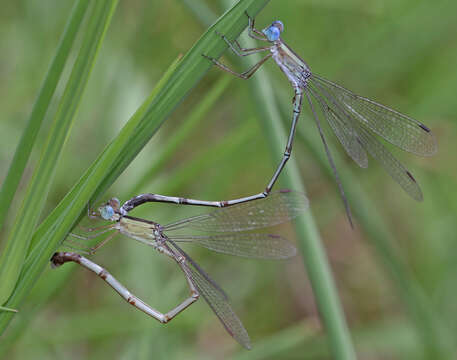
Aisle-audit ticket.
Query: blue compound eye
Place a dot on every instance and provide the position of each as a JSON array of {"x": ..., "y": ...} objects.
[
  {"x": 106, "y": 212},
  {"x": 272, "y": 33},
  {"x": 279, "y": 25}
]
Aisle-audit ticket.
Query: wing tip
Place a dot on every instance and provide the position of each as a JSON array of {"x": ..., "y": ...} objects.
[
  {"x": 417, "y": 195},
  {"x": 429, "y": 145},
  {"x": 241, "y": 336},
  {"x": 246, "y": 344}
]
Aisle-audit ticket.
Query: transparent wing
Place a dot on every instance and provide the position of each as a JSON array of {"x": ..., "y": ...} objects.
[
  {"x": 398, "y": 172},
  {"x": 216, "y": 299},
  {"x": 377, "y": 150},
  {"x": 250, "y": 245},
  {"x": 346, "y": 134},
  {"x": 277, "y": 208},
  {"x": 397, "y": 128}
]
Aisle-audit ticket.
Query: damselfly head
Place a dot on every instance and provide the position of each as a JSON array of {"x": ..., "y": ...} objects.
[
  {"x": 110, "y": 211},
  {"x": 273, "y": 32}
]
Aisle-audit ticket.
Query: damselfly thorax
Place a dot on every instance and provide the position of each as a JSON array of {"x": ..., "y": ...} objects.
[
  {"x": 142, "y": 230},
  {"x": 296, "y": 70}
]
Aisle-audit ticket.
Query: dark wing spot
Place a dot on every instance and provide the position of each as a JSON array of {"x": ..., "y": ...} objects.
[
  {"x": 410, "y": 176},
  {"x": 425, "y": 128}
]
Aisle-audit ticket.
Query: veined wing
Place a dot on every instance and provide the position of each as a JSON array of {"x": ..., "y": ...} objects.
[
  {"x": 345, "y": 133},
  {"x": 398, "y": 172},
  {"x": 397, "y": 128},
  {"x": 377, "y": 150},
  {"x": 216, "y": 299},
  {"x": 250, "y": 245},
  {"x": 279, "y": 207}
]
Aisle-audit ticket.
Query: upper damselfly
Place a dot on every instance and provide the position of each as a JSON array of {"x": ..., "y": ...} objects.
[{"x": 354, "y": 119}]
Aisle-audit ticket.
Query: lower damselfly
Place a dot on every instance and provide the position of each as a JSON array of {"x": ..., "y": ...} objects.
[
  {"x": 228, "y": 230},
  {"x": 354, "y": 119}
]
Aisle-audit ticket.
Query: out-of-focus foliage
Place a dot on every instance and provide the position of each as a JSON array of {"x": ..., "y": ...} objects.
[{"x": 401, "y": 53}]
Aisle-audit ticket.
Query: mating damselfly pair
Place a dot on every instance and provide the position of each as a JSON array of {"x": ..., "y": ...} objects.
[
  {"x": 229, "y": 230},
  {"x": 353, "y": 119}
]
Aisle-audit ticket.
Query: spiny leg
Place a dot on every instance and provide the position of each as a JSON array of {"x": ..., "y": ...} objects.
[
  {"x": 95, "y": 228},
  {"x": 244, "y": 75},
  {"x": 253, "y": 32},
  {"x": 104, "y": 242},
  {"x": 247, "y": 51},
  {"x": 92, "y": 236},
  {"x": 242, "y": 51},
  {"x": 90, "y": 214},
  {"x": 75, "y": 245}
]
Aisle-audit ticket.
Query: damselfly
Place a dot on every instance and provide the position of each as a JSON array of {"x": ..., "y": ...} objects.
[
  {"x": 227, "y": 230},
  {"x": 353, "y": 118}
]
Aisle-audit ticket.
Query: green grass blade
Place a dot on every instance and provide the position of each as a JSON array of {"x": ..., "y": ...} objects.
[
  {"x": 27, "y": 218},
  {"x": 40, "y": 109},
  {"x": 42, "y": 294},
  {"x": 310, "y": 243},
  {"x": 39, "y": 240},
  {"x": 222, "y": 151},
  {"x": 115, "y": 158},
  {"x": 279, "y": 344},
  {"x": 166, "y": 153},
  {"x": 390, "y": 338}
]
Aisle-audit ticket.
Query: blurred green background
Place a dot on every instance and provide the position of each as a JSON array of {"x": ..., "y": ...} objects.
[{"x": 400, "y": 53}]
